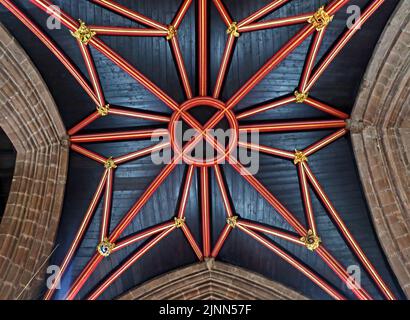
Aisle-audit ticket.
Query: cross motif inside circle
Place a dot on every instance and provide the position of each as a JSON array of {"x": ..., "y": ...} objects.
[{"x": 203, "y": 131}]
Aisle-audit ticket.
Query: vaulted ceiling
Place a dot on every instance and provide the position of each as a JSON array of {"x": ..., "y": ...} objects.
[{"x": 334, "y": 166}]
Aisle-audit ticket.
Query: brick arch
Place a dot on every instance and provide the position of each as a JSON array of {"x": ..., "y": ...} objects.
[
  {"x": 380, "y": 131},
  {"x": 211, "y": 280},
  {"x": 29, "y": 117}
]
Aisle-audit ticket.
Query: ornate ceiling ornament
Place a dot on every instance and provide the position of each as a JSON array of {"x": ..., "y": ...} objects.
[
  {"x": 110, "y": 164},
  {"x": 232, "y": 221},
  {"x": 233, "y": 30},
  {"x": 299, "y": 157},
  {"x": 301, "y": 96},
  {"x": 105, "y": 247},
  {"x": 83, "y": 33},
  {"x": 103, "y": 110},
  {"x": 320, "y": 19},
  {"x": 311, "y": 240},
  {"x": 172, "y": 32},
  {"x": 179, "y": 222}
]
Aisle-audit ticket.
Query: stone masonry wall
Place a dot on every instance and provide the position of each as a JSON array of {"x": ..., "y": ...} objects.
[
  {"x": 380, "y": 131},
  {"x": 29, "y": 116}
]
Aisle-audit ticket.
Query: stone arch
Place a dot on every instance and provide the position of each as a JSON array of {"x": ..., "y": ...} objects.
[
  {"x": 29, "y": 117},
  {"x": 380, "y": 131},
  {"x": 211, "y": 280}
]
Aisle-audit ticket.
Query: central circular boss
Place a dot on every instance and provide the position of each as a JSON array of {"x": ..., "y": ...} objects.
[{"x": 178, "y": 136}]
